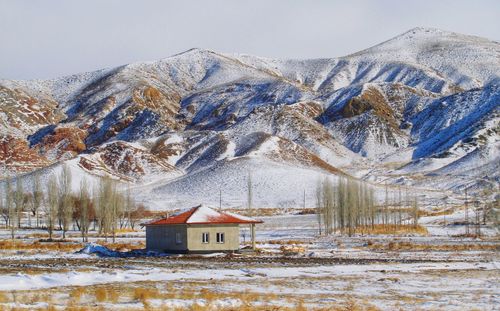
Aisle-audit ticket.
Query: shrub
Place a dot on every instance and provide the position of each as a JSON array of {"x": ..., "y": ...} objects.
[
  {"x": 101, "y": 294},
  {"x": 76, "y": 294}
]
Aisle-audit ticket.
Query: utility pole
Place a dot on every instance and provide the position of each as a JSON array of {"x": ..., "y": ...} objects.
[
  {"x": 466, "y": 214},
  {"x": 220, "y": 199},
  {"x": 304, "y": 205},
  {"x": 478, "y": 219},
  {"x": 249, "y": 193},
  {"x": 444, "y": 211}
]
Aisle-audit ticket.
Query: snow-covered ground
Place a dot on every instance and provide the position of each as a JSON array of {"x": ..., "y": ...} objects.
[{"x": 441, "y": 270}]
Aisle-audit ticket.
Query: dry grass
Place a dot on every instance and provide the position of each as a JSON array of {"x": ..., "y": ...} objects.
[
  {"x": 71, "y": 307},
  {"x": 289, "y": 250},
  {"x": 145, "y": 293},
  {"x": 76, "y": 294},
  {"x": 126, "y": 230},
  {"x": 287, "y": 242},
  {"x": 196, "y": 291},
  {"x": 409, "y": 246},
  {"x": 69, "y": 246},
  {"x": 424, "y": 213},
  {"x": 38, "y": 235},
  {"x": 122, "y": 246},
  {"x": 101, "y": 294},
  {"x": 392, "y": 229},
  {"x": 48, "y": 246},
  {"x": 113, "y": 295},
  {"x": 263, "y": 211}
]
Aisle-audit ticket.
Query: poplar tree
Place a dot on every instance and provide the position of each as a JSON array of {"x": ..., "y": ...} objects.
[
  {"x": 319, "y": 205},
  {"x": 9, "y": 202},
  {"x": 19, "y": 201},
  {"x": 37, "y": 198},
  {"x": 85, "y": 203},
  {"x": 51, "y": 209},
  {"x": 415, "y": 212},
  {"x": 65, "y": 204},
  {"x": 4, "y": 211}
]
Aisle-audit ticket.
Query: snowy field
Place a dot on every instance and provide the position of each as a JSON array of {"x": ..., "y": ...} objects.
[{"x": 293, "y": 270}]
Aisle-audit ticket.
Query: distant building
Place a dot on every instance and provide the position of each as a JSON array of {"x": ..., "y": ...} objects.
[{"x": 198, "y": 230}]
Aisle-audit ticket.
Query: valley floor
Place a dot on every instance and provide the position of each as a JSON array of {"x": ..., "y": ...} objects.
[{"x": 294, "y": 269}]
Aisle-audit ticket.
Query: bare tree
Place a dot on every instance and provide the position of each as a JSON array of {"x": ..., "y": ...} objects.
[
  {"x": 137, "y": 214},
  {"x": 9, "y": 198},
  {"x": 129, "y": 206},
  {"x": 85, "y": 206},
  {"x": 344, "y": 207},
  {"x": 477, "y": 224},
  {"x": 19, "y": 201},
  {"x": 400, "y": 208},
  {"x": 319, "y": 205},
  {"x": 328, "y": 199},
  {"x": 117, "y": 208},
  {"x": 415, "y": 212},
  {"x": 37, "y": 198},
  {"x": 65, "y": 202},
  {"x": 106, "y": 206},
  {"x": 51, "y": 209},
  {"x": 386, "y": 206},
  {"x": 249, "y": 193},
  {"x": 4, "y": 211},
  {"x": 28, "y": 206}
]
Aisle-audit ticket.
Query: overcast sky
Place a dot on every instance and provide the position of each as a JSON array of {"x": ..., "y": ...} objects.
[{"x": 44, "y": 39}]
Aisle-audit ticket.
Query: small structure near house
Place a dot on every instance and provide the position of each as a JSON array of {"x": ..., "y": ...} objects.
[{"x": 198, "y": 230}]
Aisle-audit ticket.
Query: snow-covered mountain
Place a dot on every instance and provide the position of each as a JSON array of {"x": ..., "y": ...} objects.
[{"x": 420, "y": 109}]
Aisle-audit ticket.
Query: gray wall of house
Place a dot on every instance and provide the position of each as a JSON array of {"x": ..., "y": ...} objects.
[
  {"x": 164, "y": 237},
  {"x": 231, "y": 237}
]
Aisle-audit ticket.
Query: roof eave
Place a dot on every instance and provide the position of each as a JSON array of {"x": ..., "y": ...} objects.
[{"x": 206, "y": 223}]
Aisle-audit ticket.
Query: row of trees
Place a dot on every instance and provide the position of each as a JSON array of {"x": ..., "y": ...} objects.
[
  {"x": 104, "y": 209},
  {"x": 350, "y": 205}
]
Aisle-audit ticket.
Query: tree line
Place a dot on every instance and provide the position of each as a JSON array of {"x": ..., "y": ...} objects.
[
  {"x": 349, "y": 206},
  {"x": 54, "y": 206}
]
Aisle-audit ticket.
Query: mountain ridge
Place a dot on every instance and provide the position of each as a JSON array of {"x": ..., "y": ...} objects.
[{"x": 368, "y": 114}]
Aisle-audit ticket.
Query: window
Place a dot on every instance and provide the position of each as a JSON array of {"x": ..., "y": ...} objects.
[
  {"x": 178, "y": 239},
  {"x": 204, "y": 237},
  {"x": 220, "y": 237}
]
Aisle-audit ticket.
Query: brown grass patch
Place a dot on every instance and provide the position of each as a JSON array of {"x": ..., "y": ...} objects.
[
  {"x": 392, "y": 229},
  {"x": 101, "y": 294},
  {"x": 77, "y": 293},
  {"x": 37, "y": 245},
  {"x": 122, "y": 246},
  {"x": 3, "y": 298},
  {"x": 144, "y": 294},
  {"x": 424, "y": 213},
  {"x": 38, "y": 235},
  {"x": 113, "y": 295},
  {"x": 126, "y": 230},
  {"x": 409, "y": 246},
  {"x": 287, "y": 242}
]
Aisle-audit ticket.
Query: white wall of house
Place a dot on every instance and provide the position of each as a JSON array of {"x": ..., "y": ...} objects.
[{"x": 231, "y": 234}]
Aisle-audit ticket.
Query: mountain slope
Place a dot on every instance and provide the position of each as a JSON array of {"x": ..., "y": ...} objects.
[{"x": 410, "y": 110}]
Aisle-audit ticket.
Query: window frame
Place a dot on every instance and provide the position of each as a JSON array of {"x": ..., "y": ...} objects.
[
  {"x": 207, "y": 235},
  {"x": 178, "y": 238},
  {"x": 221, "y": 238}
]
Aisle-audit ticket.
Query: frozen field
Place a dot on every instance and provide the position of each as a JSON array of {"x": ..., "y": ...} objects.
[{"x": 294, "y": 269}]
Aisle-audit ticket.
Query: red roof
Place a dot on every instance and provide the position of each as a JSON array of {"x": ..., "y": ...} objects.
[{"x": 203, "y": 215}]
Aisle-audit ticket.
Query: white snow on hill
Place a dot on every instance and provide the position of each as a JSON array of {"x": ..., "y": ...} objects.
[{"x": 420, "y": 109}]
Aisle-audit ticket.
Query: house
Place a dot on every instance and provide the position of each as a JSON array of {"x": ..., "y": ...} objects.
[{"x": 198, "y": 230}]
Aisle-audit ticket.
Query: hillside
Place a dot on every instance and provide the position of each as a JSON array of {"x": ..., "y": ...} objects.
[{"x": 420, "y": 109}]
